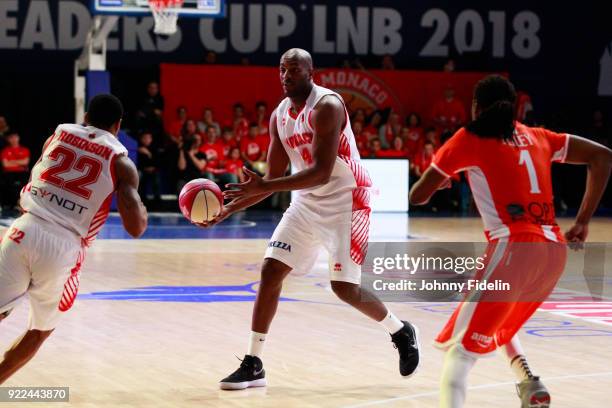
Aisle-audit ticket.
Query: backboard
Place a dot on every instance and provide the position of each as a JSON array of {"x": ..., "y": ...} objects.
[{"x": 191, "y": 8}]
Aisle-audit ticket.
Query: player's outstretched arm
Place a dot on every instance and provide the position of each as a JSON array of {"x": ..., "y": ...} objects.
[
  {"x": 327, "y": 121},
  {"x": 132, "y": 210},
  {"x": 427, "y": 185},
  {"x": 276, "y": 167},
  {"x": 598, "y": 158}
]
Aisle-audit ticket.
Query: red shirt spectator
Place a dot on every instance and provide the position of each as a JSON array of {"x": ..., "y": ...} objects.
[
  {"x": 176, "y": 126},
  {"x": 213, "y": 149},
  {"x": 423, "y": 160},
  {"x": 397, "y": 152},
  {"x": 414, "y": 139},
  {"x": 234, "y": 164},
  {"x": 239, "y": 122},
  {"x": 375, "y": 148},
  {"x": 449, "y": 113},
  {"x": 228, "y": 141},
  {"x": 361, "y": 139},
  {"x": 390, "y": 130},
  {"x": 15, "y": 158},
  {"x": 253, "y": 147},
  {"x": 264, "y": 143},
  {"x": 262, "y": 119}
]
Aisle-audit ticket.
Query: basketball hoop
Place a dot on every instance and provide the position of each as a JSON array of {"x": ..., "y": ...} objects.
[{"x": 165, "y": 13}]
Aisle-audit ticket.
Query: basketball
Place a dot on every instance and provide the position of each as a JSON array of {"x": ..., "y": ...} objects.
[{"x": 200, "y": 200}]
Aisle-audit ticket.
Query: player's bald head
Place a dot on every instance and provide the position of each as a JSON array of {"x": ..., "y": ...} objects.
[
  {"x": 299, "y": 56},
  {"x": 296, "y": 73}
]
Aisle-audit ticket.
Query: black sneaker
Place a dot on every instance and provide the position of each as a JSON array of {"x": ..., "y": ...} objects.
[
  {"x": 249, "y": 374},
  {"x": 406, "y": 341}
]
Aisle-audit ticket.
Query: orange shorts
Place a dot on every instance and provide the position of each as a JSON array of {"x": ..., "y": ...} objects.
[{"x": 532, "y": 265}]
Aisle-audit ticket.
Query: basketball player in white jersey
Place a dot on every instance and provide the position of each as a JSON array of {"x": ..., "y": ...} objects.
[
  {"x": 310, "y": 129},
  {"x": 65, "y": 205}
]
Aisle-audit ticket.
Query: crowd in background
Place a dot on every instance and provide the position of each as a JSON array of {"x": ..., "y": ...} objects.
[{"x": 201, "y": 144}]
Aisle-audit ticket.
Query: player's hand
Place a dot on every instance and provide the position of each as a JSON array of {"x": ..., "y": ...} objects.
[
  {"x": 223, "y": 214},
  {"x": 576, "y": 236},
  {"x": 254, "y": 185}
]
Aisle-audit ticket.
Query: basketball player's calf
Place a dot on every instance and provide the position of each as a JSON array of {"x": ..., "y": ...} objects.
[
  {"x": 21, "y": 352},
  {"x": 251, "y": 372},
  {"x": 403, "y": 334}
]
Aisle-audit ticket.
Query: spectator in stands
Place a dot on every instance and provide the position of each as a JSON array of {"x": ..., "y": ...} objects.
[
  {"x": 423, "y": 160},
  {"x": 228, "y": 141},
  {"x": 373, "y": 124},
  {"x": 252, "y": 148},
  {"x": 375, "y": 148},
  {"x": 387, "y": 62},
  {"x": 358, "y": 116},
  {"x": 361, "y": 139},
  {"x": 189, "y": 131},
  {"x": 263, "y": 122},
  {"x": 212, "y": 148},
  {"x": 448, "y": 113},
  {"x": 215, "y": 168},
  {"x": 151, "y": 110},
  {"x": 390, "y": 130},
  {"x": 148, "y": 168},
  {"x": 413, "y": 135},
  {"x": 15, "y": 171},
  {"x": 233, "y": 165},
  {"x": 432, "y": 135},
  {"x": 240, "y": 122},
  {"x": 261, "y": 118},
  {"x": 207, "y": 121},
  {"x": 398, "y": 150},
  {"x": 191, "y": 161},
  {"x": 176, "y": 127}
]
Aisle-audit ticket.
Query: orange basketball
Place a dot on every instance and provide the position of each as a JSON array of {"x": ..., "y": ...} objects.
[{"x": 201, "y": 200}]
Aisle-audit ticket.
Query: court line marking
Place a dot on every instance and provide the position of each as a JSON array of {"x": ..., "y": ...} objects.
[{"x": 475, "y": 387}]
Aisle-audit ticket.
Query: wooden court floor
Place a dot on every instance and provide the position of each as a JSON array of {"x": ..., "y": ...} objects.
[{"x": 320, "y": 353}]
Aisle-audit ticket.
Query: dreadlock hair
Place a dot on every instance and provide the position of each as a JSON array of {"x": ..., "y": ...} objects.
[{"x": 495, "y": 97}]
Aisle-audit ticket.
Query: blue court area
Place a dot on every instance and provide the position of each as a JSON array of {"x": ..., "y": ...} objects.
[{"x": 244, "y": 225}]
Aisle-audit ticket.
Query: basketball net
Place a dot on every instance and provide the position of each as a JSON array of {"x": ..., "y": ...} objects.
[{"x": 165, "y": 13}]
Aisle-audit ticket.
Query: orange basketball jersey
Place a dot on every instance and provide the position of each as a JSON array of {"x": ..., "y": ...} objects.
[{"x": 510, "y": 180}]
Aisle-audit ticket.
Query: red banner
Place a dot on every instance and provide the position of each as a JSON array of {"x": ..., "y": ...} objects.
[{"x": 220, "y": 87}]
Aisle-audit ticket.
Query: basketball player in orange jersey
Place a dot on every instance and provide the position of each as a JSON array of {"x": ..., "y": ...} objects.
[
  {"x": 65, "y": 205},
  {"x": 509, "y": 170},
  {"x": 310, "y": 129}
]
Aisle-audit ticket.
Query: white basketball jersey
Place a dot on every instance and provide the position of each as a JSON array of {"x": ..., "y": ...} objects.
[
  {"x": 348, "y": 175},
  {"x": 73, "y": 182}
]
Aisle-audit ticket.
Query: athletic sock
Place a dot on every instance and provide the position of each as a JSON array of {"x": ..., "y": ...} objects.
[
  {"x": 516, "y": 357},
  {"x": 256, "y": 344},
  {"x": 520, "y": 368},
  {"x": 391, "y": 323},
  {"x": 453, "y": 384}
]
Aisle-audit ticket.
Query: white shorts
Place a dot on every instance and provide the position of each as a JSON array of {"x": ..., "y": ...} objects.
[
  {"x": 300, "y": 235},
  {"x": 43, "y": 260}
]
